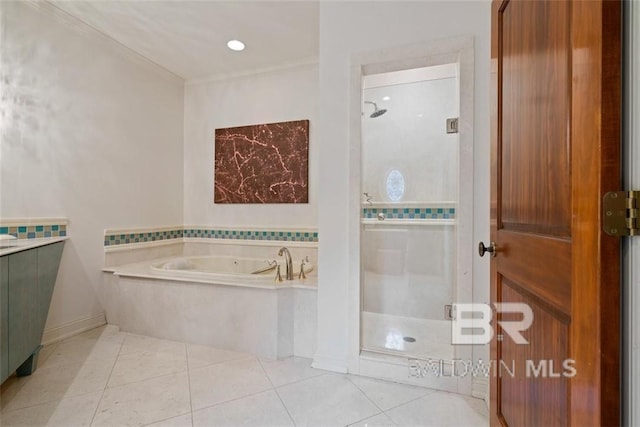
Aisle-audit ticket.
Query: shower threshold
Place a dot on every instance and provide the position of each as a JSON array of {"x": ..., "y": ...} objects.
[{"x": 407, "y": 336}]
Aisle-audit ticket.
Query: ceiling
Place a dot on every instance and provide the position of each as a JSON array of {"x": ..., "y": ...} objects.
[{"x": 189, "y": 37}]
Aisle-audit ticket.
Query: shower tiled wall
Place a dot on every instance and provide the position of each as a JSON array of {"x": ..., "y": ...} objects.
[{"x": 410, "y": 213}]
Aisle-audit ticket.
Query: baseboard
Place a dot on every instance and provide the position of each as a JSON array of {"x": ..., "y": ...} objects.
[
  {"x": 329, "y": 364},
  {"x": 72, "y": 328},
  {"x": 480, "y": 389}
]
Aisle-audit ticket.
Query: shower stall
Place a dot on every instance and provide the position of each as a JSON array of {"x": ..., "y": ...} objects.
[{"x": 409, "y": 180}]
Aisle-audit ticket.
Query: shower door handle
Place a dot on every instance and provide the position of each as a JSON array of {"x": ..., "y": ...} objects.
[{"x": 482, "y": 249}]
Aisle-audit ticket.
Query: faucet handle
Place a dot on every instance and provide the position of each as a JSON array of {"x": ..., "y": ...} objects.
[
  {"x": 302, "y": 276},
  {"x": 278, "y": 277}
]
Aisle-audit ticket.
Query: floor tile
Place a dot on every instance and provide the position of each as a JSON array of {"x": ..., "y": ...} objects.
[
  {"x": 385, "y": 394},
  {"x": 149, "y": 384},
  {"x": 81, "y": 350},
  {"x": 144, "y": 402},
  {"x": 200, "y": 356},
  {"x": 326, "y": 400},
  {"x": 441, "y": 409},
  {"x": 226, "y": 381},
  {"x": 134, "y": 367},
  {"x": 139, "y": 343},
  {"x": 289, "y": 370},
  {"x": 263, "y": 409},
  {"x": 45, "y": 352},
  {"x": 105, "y": 333},
  {"x": 53, "y": 383},
  {"x": 10, "y": 388},
  {"x": 179, "y": 421},
  {"x": 73, "y": 411},
  {"x": 380, "y": 420}
]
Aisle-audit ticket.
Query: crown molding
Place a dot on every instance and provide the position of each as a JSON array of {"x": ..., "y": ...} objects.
[
  {"x": 80, "y": 26},
  {"x": 213, "y": 78}
]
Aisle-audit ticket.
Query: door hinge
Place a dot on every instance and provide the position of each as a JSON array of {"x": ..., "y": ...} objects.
[
  {"x": 621, "y": 211},
  {"x": 452, "y": 125}
]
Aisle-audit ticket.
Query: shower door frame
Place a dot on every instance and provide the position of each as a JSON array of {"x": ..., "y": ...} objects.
[{"x": 460, "y": 51}]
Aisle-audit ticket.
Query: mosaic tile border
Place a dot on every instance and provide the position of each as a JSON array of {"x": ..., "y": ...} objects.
[
  {"x": 151, "y": 236},
  {"x": 410, "y": 213},
  {"x": 35, "y": 231},
  {"x": 119, "y": 238},
  {"x": 284, "y": 236}
]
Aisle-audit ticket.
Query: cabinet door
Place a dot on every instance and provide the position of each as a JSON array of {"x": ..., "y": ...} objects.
[
  {"x": 4, "y": 318},
  {"x": 24, "y": 336},
  {"x": 48, "y": 263}
]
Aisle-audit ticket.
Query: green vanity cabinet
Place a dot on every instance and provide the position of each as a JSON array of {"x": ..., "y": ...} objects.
[
  {"x": 4, "y": 317},
  {"x": 30, "y": 276},
  {"x": 23, "y": 287},
  {"x": 48, "y": 263}
]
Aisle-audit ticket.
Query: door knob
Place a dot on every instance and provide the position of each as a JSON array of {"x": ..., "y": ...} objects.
[{"x": 491, "y": 249}]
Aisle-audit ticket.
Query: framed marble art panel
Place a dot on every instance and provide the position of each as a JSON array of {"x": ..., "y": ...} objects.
[{"x": 267, "y": 163}]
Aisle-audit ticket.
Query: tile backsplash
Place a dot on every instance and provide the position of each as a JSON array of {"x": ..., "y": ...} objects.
[
  {"x": 411, "y": 213},
  {"x": 120, "y": 237},
  {"x": 286, "y": 236},
  {"x": 113, "y": 239},
  {"x": 34, "y": 230}
]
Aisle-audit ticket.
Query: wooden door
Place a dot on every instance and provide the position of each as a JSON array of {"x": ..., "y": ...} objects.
[{"x": 555, "y": 152}]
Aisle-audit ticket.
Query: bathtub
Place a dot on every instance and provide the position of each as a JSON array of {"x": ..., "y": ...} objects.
[
  {"x": 223, "y": 301},
  {"x": 225, "y": 269}
]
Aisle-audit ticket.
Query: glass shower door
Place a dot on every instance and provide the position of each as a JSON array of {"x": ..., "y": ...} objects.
[{"x": 410, "y": 185}]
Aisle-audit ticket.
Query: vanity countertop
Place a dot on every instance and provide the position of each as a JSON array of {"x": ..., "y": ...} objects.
[{"x": 25, "y": 244}]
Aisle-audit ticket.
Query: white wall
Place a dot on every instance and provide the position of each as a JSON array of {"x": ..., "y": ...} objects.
[
  {"x": 274, "y": 96},
  {"x": 347, "y": 29},
  {"x": 91, "y": 132}
]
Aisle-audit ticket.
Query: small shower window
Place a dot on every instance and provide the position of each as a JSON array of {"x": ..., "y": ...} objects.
[{"x": 395, "y": 185}]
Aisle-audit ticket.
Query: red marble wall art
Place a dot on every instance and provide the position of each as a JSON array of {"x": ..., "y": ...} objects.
[{"x": 266, "y": 163}]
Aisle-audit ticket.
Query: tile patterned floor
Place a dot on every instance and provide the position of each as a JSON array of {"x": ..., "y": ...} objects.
[{"x": 105, "y": 377}]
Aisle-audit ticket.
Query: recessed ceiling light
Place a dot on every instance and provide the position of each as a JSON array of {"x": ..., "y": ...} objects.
[
  {"x": 385, "y": 98},
  {"x": 420, "y": 115},
  {"x": 236, "y": 45}
]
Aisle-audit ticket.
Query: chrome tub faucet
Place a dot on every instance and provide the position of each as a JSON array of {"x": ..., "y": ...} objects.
[{"x": 289, "y": 263}]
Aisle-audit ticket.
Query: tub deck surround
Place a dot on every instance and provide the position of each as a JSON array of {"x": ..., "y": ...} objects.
[
  {"x": 34, "y": 228},
  {"x": 263, "y": 317},
  {"x": 149, "y": 270}
]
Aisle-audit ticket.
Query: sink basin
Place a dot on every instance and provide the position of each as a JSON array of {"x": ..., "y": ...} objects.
[{"x": 7, "y": 246}]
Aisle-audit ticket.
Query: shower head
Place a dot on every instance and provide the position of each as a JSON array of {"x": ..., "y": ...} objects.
[{"x": 376, "y": 112}]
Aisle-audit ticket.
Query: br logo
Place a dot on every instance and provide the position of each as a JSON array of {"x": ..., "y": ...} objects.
[{"x": 472, "y": 322}]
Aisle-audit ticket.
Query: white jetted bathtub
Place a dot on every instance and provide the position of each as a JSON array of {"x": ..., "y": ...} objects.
[
  {"x": 227, "y": 302},
  {"x": 226, "y": 268}
]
